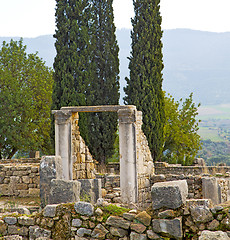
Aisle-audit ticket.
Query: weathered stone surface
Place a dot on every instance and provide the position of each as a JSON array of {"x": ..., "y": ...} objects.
[
  {"x": 210, "y": 189},
  {"x": 84, "y": 232},
  {"x": 197, "y": 202},
  {"x": 138, "y": 227},
  {"x": 218, "y": 235},
  {"x": 36, "y": 232},
  {"x": 153, "y": 235},
  {"x": 167, "y": 214},
  {"x": 10, "y": 220},
  {"x": 3, "y": 228},
  {"x": 137, "y": 236},
  {"x": 50, "y": 210},
  {"x": 84, "y": 208},
  {"x": 170, "y": 228},
  {"x": 13, "y": 237},
  {"x": 64, "y": 191},
  {"x": 99, "y": 232},
  {"x": 144, "y": 218},
  {"x": 50, "y": 168},
  {"x": 90, "y": 189},
  {"x": 213, "y": 225},
  {"x": 14, "y": 230},
  {"x": 170, "y": 194},
  {"x": 76, "y": 222},
  {"x": 201, "y": 214},
  {"x": 118, "y": 222},
  {"x": 129, "y": 216},
  {"x": 24, "y": 220},
  {"x": 98, "y": 212},
  {"x": 119, "y": 232}
]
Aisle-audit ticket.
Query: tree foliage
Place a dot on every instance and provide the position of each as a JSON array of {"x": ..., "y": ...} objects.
[
  {"x": 144, "y": 87},
  {"x": 73, "y": 63},
  {"x": 25, "y": 100},
  {"x": 181, "y": 140},
  {"x": 87, "y": 67},
  {"x": 105, "y": 85}
]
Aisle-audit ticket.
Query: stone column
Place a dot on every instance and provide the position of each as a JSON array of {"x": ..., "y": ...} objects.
[
  {"x": 127, "y": 146},
  {"x": 63, "y": 141}
]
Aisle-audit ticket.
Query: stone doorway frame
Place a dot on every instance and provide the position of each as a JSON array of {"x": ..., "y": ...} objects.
[{"x": 127, "y": 115}]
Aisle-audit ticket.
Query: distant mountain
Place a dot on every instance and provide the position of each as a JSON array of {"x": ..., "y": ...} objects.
[{"x": 194, "y": 61}]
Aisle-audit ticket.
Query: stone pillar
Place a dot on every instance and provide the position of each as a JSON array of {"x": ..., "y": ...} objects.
[
  {"x": 63, "y": 141},
  {"x": 127, "y": 146}
]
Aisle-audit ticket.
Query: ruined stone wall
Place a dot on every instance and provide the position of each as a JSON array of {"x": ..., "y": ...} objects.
[
  {"x": 165, "y": 168},
  {"x": 19, "y": 179},
  {"x": 145, "y": 167},
  {"x": 83, "y": 163},
  {"x": 82, "y": 220}
]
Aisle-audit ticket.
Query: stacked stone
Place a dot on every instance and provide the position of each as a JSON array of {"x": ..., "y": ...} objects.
[
  {"x": 170, "y": 217},
  {"x": 194, "y": 183},
  {"x": 165, "y": 168},
  {"x": 20, "y": 180},
  {"x": 145, "y": 167},
  {"x": 83, "y": 166}
]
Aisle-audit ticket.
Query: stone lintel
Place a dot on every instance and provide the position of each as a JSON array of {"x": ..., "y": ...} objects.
[{"x": 103, "y": 108}]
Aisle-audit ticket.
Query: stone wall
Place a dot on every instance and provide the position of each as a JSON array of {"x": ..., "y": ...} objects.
[
  {"x": 19, "y": 179},
  {"x": 83, "y": 163},
  {"x": 165, "y": 168},
  {"x": 84, "y": 221},
  {"x": 145, "y": 167}
]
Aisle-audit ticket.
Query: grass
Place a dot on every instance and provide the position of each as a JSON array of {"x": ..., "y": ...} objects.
[{"x": 210, "y": 133}]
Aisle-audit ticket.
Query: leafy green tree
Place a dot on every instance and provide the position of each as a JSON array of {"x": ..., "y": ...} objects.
[
  {"x": 73, "y": 63},
  {"x": 144, "y": 87},
  {"x": 181, "y": 140},
  {"x": 105, "y": 85},
  {"x": 25, "y": 100}
]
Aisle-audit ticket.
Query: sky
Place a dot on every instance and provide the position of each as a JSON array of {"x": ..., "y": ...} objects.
[{"x": 32, "y": 18}]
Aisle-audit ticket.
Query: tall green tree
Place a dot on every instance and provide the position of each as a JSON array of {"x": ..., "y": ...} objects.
[
  {"x": 144, "y": 86},
  {"x": 181, "y": 139},
  {"x": 73, "y": 62},
  {"x": 25, "y": 100},
  {"x": 105, "y": 85}
]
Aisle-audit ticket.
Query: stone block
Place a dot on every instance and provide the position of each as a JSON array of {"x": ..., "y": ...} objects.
[
  {"x": 50, "y": 168},
  {"x": 209, "y": 235},
  {"x": 27, "y": 221},
  {"x": 211, "y": 189},
  {"x": 169, "y": 228},
  {"x": 201, "y": 214},
  {"x": 35, "y": 192},
  {"x": 170, "y": 195},
  {"x": 144, "y": 218},
  {"x": 84, "y": 208},
  {"x": 35, "y": 232},
  {"x": 118, "y": 222},
  {"x": 90, "y": 190},
  {"x": 64, "y": 191},
  {"x": 14, "y": 230},
  {"x": 137, "y": 236},
  {"x": 13, "y": 237},
  {"x": 84, "y": 232},
  {"x": 76, "y": 222},
  {"x": 10, "y": 220},
  {"x": 119, "y": 232},
  {"x": 50, "y": 210},
  {"x": 99, "y": 232}
]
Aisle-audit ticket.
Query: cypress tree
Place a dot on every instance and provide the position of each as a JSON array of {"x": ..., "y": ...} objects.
[
  {"x": 144, "y": 86},
  {"x": 73, "y": 63},
  {"x": 105, "y": 86}
]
